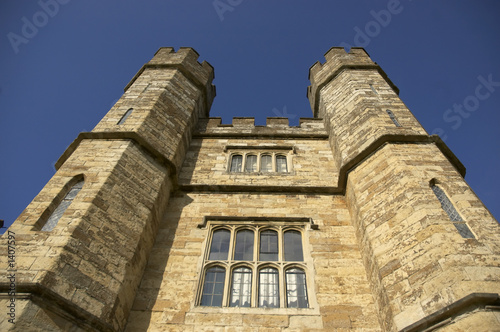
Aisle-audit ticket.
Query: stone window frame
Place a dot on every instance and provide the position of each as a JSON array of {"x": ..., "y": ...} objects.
[
  {"x": 393, "y": 118},
  {"x": 51, "y": 216},
  {"x": 125, "y": 116},
  {"x": 256, "y": 266},
  {"x": 451, "y": 211},
  {"x": 259, "y": 151}
]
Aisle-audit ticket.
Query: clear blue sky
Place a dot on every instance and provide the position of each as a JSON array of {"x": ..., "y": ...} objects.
[{"x": 62, "y": 67}]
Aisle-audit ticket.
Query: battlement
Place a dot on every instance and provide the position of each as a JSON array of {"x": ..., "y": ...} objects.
[
  {"x": 338, "y": 60},
  {"x": 186, "y": 61},
  {"x": 275, "y": 126}
]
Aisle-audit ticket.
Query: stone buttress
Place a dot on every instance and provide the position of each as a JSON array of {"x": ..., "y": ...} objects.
[
  {"x": 422, "y": 271},
  {"x": 83, "y": 274}
]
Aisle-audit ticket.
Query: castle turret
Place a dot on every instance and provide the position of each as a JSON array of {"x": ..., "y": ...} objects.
[
  {"x": 428, "y": 243},
  {"x": 82, "y": 244}
]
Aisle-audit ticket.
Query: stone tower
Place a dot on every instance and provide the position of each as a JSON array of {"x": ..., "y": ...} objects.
[{"x": 162, "y": 218}]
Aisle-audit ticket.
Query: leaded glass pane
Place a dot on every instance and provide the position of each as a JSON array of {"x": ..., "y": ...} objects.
[
  {"x": 448, "y": 207},
  {"x": 220, "y": 245},
  {"x": 236, "y": 162},
  {"x": 61, "y": 208},
  {"x": 125, "y": 116},
  {"x": 266, "y": 163},
  {"x": 296, "y": 290},
  {"x": 281, "y": 164},
  {"x": 464, "y": 230},
  {"x": 243, "y": 250},
  {"x": 241, "y": 289},
  {"x": 293, "y": 246},
  {"x": 393, "y": 118},
  {"x": 269, "y": 288},
  {"x": 213, "y": 288},
  {"x": 251, "y": 163},
  {"x": 268, "y": 246}
]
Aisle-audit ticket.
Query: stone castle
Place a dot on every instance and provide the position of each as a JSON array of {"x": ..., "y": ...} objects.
[{"x": 163, "y": 219}]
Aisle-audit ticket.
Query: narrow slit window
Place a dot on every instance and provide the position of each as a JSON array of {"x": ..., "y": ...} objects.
[
  {"x": 220, "y": 245},
  {"x": 241, "y": 290},
  {"x": 373, "y": 89},
  {"x": 393, "y": 118},
  {"x": 251, "y": 163},
  {"x": 269, "y": 288},
  {"x": 448, "y": 207},
  {"x": 213, "y": 288},
  {"x": 61, "y": 208},
  {"x": 236, "y": 161},
  {"x": 281, "y": 164},
  {"x": 125, "y": 116},
  {"x": 296, "y": 290},
  {"x": 266, "y": 163}
]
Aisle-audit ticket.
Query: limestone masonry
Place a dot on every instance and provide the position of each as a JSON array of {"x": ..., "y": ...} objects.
[{"x": 164, "y": 219}]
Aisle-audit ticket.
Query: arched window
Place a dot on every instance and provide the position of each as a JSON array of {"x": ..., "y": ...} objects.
[
  {"x": 293, "y": 246},
  {"x": 61, "y": 208},
  {"x": 251, "y": 163},
  {"x": 220, "y": 245},
  {"x": 281, "y": 164},
  {"x": 269, "y": 288},
  {"x": 268, "y": 246},
  {"x": 393, "y": 118},
  {"x": 266, "y": 163},
  {"x": 241, "y": 288},
  {"x": 213, "y": 288},
  {"x": 236, "y": 161},
  {"x": 125, "y": 116},
  {"x": 237, "y": 272},
  {"x": 243, "y": 250},
  {"x": 296, "y": 290},
  {"x": 457, "y": 220}
]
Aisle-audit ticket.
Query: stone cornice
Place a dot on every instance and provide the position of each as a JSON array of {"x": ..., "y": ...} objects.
[{"x": 46, "y": 298}]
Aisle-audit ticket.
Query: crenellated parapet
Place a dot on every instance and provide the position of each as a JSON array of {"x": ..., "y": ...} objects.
[
  {"x": 275, "y": 127},
  {"x": 338, "y": 60},
  {"x": 185, "y": 60}
]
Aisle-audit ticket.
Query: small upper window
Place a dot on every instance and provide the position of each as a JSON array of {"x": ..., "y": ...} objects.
[
  {"x": 266, "y": 163},
  {"x": 281, "y": 164},
  {"x": 251, "y": 163},
  {"x": 63, "y": 205},
  {"x": 236, "y": 162},
  {"x": 125, "y": 116}
]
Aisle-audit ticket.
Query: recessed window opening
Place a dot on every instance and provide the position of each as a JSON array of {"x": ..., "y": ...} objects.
[
  {"x": 462, "y": 228},
  {"x": 254, "y": 265},
  {"x": 393, "y": 118},
  {"x": 125, "y": 116},
  {"x": 62, "y": 207}
]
